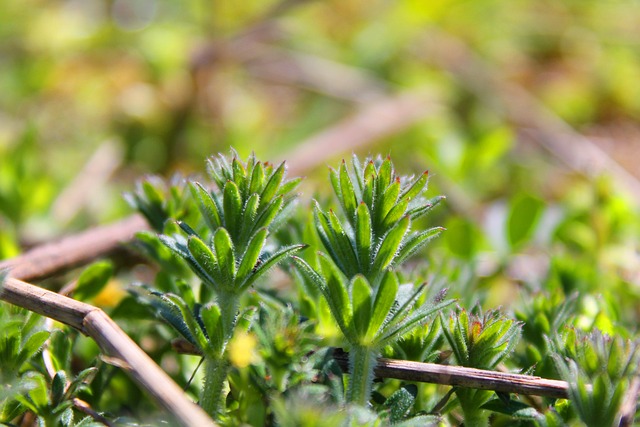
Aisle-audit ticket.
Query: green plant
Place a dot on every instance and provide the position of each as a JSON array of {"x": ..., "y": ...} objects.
[
  {"x": 479, "y": 340},
  {"x": 599, "y": 370},
  {"x": 228, "y": 256},
  {"x": 355, "y": 276}
]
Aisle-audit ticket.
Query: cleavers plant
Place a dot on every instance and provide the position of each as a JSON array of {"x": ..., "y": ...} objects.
[
  {"x": 479, "y": 340},
  {"x": 356, "y": 276},
  {"x": 230, "y": 253}
]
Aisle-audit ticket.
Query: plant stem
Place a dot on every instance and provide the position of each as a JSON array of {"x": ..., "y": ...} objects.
[
  {"x": 229, "y": 303},
  {"x": 217, "y": 368},
  {"x": 212, "y": 396},
  {"x": 362, "y": 361}
]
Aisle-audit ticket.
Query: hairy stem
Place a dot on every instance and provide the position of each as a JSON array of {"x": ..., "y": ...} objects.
[
  {"x": 362, "y": 361},
  {"x": 212, "y": 396},
  {"x": 229, "y": 303}
]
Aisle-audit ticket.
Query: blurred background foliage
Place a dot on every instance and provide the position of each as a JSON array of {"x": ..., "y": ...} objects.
[{"x": 527, "y": 114}]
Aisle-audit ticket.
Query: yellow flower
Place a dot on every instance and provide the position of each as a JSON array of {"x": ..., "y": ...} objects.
[{"x": 242, "y": 350}]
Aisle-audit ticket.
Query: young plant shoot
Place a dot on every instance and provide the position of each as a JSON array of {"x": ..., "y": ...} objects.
[
  {"x": 229, "y": 255},
  {"x": 355, "y": 275}
]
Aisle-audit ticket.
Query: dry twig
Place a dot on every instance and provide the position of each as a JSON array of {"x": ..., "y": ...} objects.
[
  {"x": 112, "y": 340},
  {"x": 52, "y": 258},
  {"x": 464, "y": 377}
]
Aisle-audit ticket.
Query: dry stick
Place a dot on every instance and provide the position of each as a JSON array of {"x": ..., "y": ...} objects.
[
  {"x": 371, "y": 123},
  {"x": 52, "y": 258},
  {"x": 463, "y": 377},
  {"x": 528, "y": 114},
  {"x": 112, "y": 340}
]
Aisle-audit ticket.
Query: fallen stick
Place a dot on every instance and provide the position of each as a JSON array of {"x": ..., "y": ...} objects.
[
  {"x": 460, "y": 376},
  {"x": 93, "y": 322},
  {"x": 52, "y": 258}
]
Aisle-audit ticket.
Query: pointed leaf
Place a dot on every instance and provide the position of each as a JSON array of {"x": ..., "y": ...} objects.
[
  {"x": 394, "y": 215},
  {"x": 226, "y": 259},
  {"x": 251, "y": 255},
  {"x": 338, "y": 297},
  {"x": 269, "y": 263},
  {"x": 289, "y": 186},
  {"x": 348, "y": 199},
  {"x": 58, "y": 386},
  {"x": 361, "y": 303},
  {"x": 415, "y": 242},
  {"x": 416, "y": 188},
  {"x": 272, "y": 186},
  {"x": 239, "y": 175},
  {"x": 249, "y": 215},
  {"x": 209, "y": 270},
  {"x": 206, "y": 205},
  {"x": 232, "y": 203},
  {"x": 93, "y": 279},
  {"x": 265, "y": 219},
  {"x": 210, "y": 315},
  {"x": 384, "y": 299},
  {"x": 388, "y": 201},
  {"x": 363, "y": 237},
  {"x": 359, "y": 175},
  {"x": 422, "y": 210},
  {"x": 390, "y": 245},
  {"x": 257, "y": 179}
]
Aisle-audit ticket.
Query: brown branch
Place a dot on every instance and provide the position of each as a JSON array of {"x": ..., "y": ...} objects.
[
  {"x": 52, "y": 258},
  {"x": 371, "y": 123},
  {"x": 113, "y": 341},
  {"x": 463, "y": 377}
]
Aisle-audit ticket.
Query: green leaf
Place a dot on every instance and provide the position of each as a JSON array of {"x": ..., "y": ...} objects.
[
  {"x": 349, "y": 201},
  {"x": 210, "y": 315},
  {"x": 327, "y": 237},
  {"x": 361, "y": 303},
  {"x": 363, "y": 237},
  {"x": 207, "y": 262},
  {"x": 384, "y": 300},
  {"x": 226, "y": 258},
  {"x": 415, "y": 242},
  {"x": 190, "y": 321},
  {"x": 394, "y": 215},
  {"x": 58, "y": 387},
  {"x": 289, "y": 186},
  {"x": 396, "y": 330},
  {"x": 265, "y": 219},
  {"x": 416, "y": 188},
  {"x": 422, "y": 210},
  {"x": 338, "y": 297},
  {"x": 400, "y": 402},
  {"x": 385, "y": 172},
  {"x": 344, "y": 245},
  {"x": 93, "y": 279},
  {"x": 232, "y": 203},
  {"x": 273, "y": 260},
  {"x": 334, "y": 178},
  {"x": 359, "y": 175},
  {"x": 272, "y": 186},
  {"x": 257, "y": 182},
  {"x": 249, "y": 217},
  {"x": 206, "y": 204},
  {"x": 390, "y": 245},
  {"x": 251, "y": 255},
  {"x": 524, "y": 212},
  {"x": 33, "y": 345},
  {"x": 239, "y": 175},
  {"x": 388, "y": 201}
]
